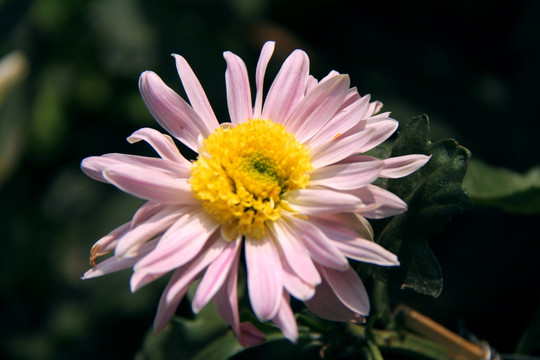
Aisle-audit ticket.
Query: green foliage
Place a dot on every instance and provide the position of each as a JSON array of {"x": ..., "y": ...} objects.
[
  {"x": 503, "y": 188},
  {"x": 434, "y": 195}
]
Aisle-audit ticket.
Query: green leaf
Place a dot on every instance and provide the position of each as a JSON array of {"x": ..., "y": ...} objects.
[
  {"x": 504, "y": 189},
  {"x": 434, "y": 196},
  {"x": 185, "y": 338}
]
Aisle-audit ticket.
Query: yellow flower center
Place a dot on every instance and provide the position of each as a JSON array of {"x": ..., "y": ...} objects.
[{"x": 242, "y": 172}]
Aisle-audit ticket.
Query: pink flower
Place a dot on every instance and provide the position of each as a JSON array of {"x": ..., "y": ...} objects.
[{"x": 285, "y": 180}]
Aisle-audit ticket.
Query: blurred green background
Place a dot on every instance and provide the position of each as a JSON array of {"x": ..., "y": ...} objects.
[{"x": 472, "y": 66}]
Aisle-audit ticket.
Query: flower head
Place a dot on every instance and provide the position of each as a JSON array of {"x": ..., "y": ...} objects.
[{"x": 285, "y": 180}]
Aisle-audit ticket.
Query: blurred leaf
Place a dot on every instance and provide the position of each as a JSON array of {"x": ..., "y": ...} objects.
[
  {"x": 434, "y": 195},
  {"x": 184, "y": 338},
  {"x": 13, "y": 111},
  {"x": 504, "y": 189},
  {"x": 528, "y": 343}
]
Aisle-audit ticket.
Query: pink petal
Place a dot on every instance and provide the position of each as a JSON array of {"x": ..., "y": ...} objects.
[
  {"x": 216, "y": 275},
  {"x": 150, "y": 184},
  {"x": 93, "y": 167},
  {"x": 311, "y": 83},
  {"x": 383, "y": 130},
  {"x": 141, "y": 278},
  {"x": 348, "y": 288},
  {"x": 285, "y": 319},
  {"x": 367, "y": 251},
  {"x": 145, "y": 212},
  {"x": 129, "y": 244},
  {"x": 194, "y": 268},
  {"x": 180, "y": 244},
  {"x": 340, "y": 123},
  {"x": 374, "y": 108},
  {"x": 317, "y": 108},
  {"x": 226, "y": 300},
  {"x": 196, "y": 95},
  {"x": 114, "y": 264},
  {"x": 340, "y": 147},
  {"x": 264, "y": 277},
  {"x": 163, "y": 144},
  {"x": 170, "y": 110},
  {"x": 400, "y": 166},
  {"x": 295, "y": 253},
  {"x": 346, "y": 176},
  {"x": 288, "y": 87},
  {"x": 266, "y": 54},
  {"x": 249, "y": 335},
  {"x": 294, "y": 285},
  {"x": 108, "y": 242},
  {"x": 157, "y": 164},
  {"x": 238, "y": 91},
  {"x": 167, "y": 308},
  {"x": 181, "y": 281},
  {"x": 321, "y": 249},
  {"x": 326, "y": 305},
  {"x": 390, "y": 204},
  {"x": 316, "y": 201},
  {"x": 343, "y": 226}
]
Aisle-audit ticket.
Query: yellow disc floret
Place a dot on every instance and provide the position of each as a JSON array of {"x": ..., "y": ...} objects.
[{"x": 242, "y": 171}]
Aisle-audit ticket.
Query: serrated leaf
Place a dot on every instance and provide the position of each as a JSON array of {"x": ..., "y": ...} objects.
[
  {"x": 434, "y": 195},
  {"x": 503, "y": 188}
]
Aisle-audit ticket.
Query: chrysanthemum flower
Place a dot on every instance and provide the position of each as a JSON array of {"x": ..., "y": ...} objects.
[{"x": 285, "y": 180}]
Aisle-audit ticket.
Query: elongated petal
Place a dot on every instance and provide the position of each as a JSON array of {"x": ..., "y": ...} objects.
[
  {"x": 321, "y": 249},
  {"x": 389, "y": 204},
  {"x": 340, "y": 148},
  {"x": 294, "y": 284},
  {"x": 141, "y": 278},
  {"x": 325, "y": 304},
  {"x": 264, "y": 277},
  {"x": 201, "y": 262},
  {"x": 288, "y": 87},
  {"x": 107, "y": 243},
  {"x": 317, "y": 108},
  {"x": 145, "y": 212},
  {"x": 163, "y": 144},
  {"x": 343, "y": 226},
  {"x": 340, "y": 123},
  {"x": 226, "y": 300},
  {"x": 150, "y": 184},
  {"x": 181, "y": 243},
  {"x": 400, "y": 166},
  {"x": 215, "y": 275},
  {"x": 114, "y": 264},
  {"x": 170, "y": 110},
  {"x": 167, "y": 307},
  {"x": 383, "y": 130},
  {"x": 238, "y": 91},
  {"x": 295, "y": 253},
  {"x": 348, "y": 288},
  {"x": 316, "y": 201},
  {"x": 196, "y": 95},
  {"x": 129, "y": 244},
  {"x": 158, "y": 164},
  {"x": 249, "y": 335},
  {"x": 347, "y": 176},
  {"x": 285, "y": 319},
  {"x": 266, "y": 54},
  {"x": 367, "y": 251},
  {"x": 181, "y": 281},
  {"x": 93, "y": 167}
]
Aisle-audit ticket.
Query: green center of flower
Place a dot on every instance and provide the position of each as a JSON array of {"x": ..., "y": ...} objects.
[{"x": 242, "y": 172}]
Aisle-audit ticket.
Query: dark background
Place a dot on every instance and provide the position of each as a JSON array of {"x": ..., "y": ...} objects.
[{"x": 472, "y": 66}]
